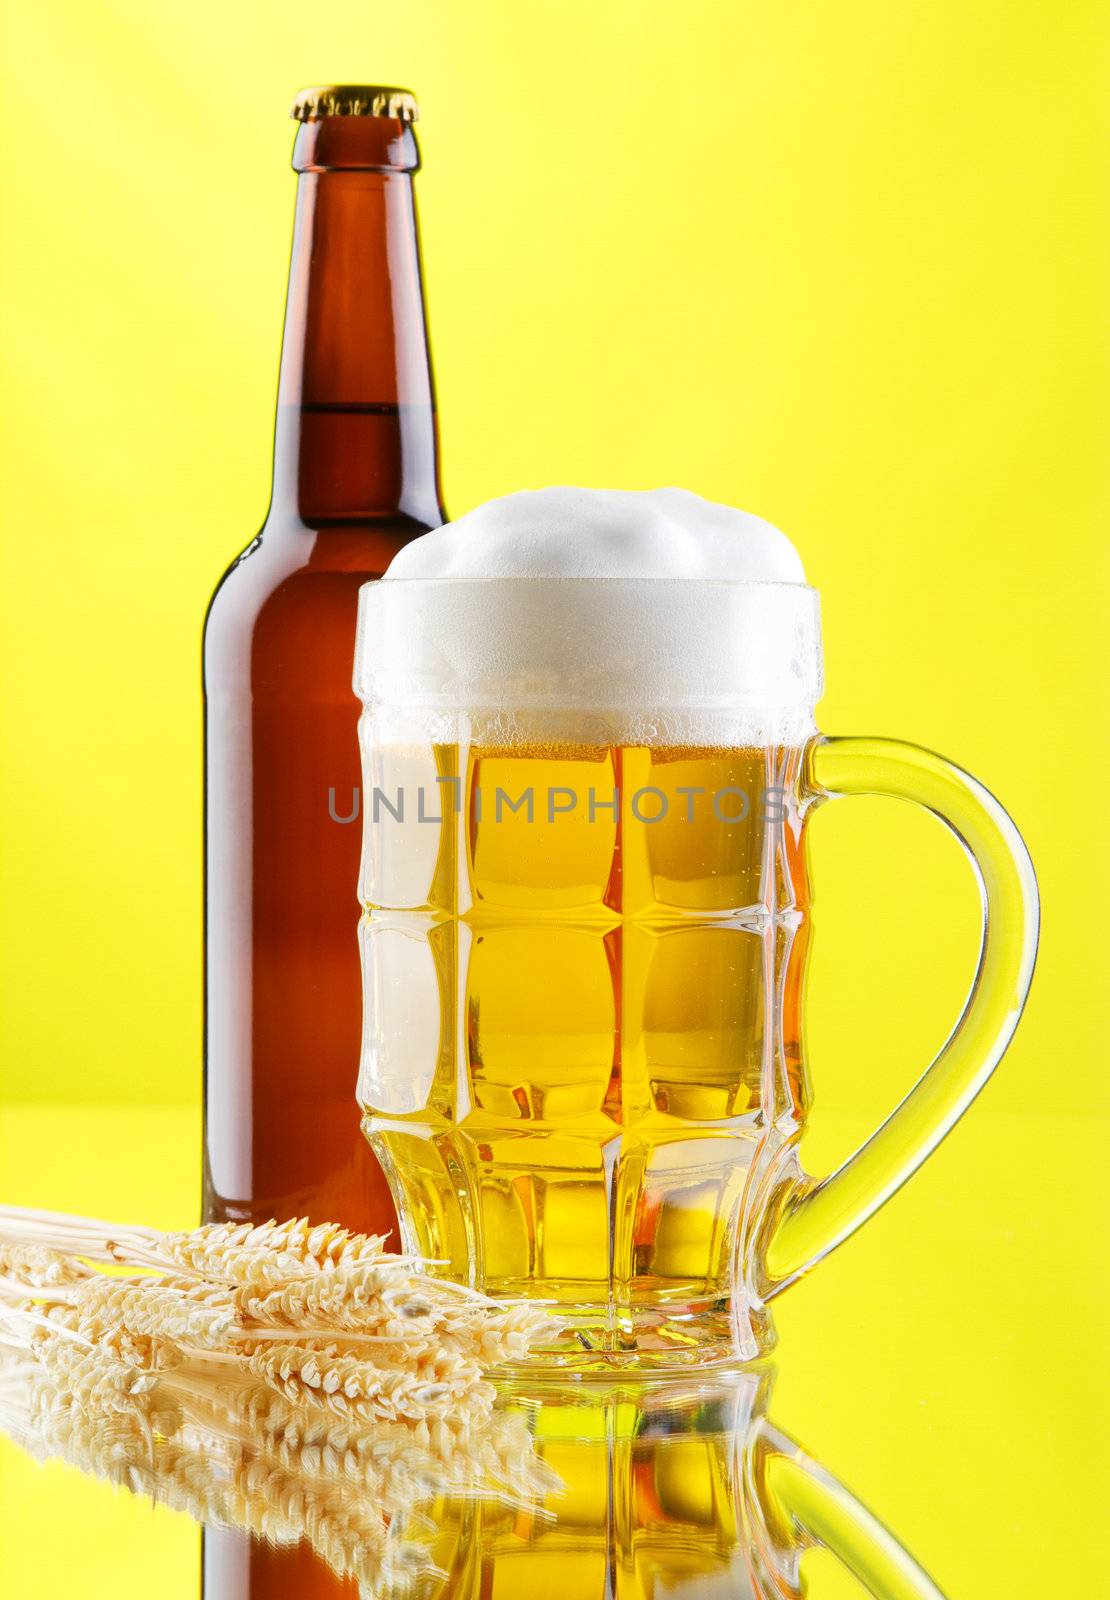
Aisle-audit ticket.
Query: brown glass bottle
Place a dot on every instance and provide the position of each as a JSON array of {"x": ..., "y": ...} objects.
[
  {"x": 355, "y": 478},
  {"x": 236, "y": 1567}
]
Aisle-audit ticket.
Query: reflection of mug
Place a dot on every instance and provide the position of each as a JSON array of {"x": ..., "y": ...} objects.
[
  {"x": 683, "y": 1493},
  {"x": 587, "y": 911}
]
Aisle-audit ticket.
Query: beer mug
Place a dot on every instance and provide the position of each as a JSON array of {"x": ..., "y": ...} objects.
[{"x": 586, "y": 914}]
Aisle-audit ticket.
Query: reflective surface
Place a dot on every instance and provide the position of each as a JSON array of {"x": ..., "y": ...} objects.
[
  {"x": 956, "y": 1407},
  {"x": 685, "y": 1490}
]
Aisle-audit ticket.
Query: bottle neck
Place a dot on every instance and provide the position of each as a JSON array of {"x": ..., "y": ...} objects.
[{"x": 356, "y": 431}]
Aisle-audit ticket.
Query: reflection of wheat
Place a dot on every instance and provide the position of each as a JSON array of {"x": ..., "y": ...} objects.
[
  {"x": 294, "y": 1381},
  {"x": 220, "y": 1480}
]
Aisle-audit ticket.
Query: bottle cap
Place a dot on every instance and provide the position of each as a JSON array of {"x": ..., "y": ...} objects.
[{"x": 355, "y": 100}]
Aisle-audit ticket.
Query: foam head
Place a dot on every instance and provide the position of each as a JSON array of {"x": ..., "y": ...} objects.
[
  {"x": 602, "y": 533},
  {"x": 639, "y": 618}
]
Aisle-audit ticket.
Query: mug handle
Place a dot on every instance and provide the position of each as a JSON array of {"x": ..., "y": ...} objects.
[
  {"x": 820, "y": 1214},
  {"x": 827, "y": 1516}
]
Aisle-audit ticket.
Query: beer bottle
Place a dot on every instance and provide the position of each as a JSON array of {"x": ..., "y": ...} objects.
[{"x": 355, "y": 477}]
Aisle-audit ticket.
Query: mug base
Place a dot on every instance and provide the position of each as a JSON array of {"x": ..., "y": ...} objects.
[{"x": 609, "y": 1341}]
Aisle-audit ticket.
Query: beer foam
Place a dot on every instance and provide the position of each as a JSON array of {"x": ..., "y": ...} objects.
[
  {"x": 603, "y": 533},
  {"x": 589, "y": 616}
]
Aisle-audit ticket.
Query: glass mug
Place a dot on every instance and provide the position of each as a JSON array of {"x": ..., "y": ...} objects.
[{"x": 586, "y": 912}]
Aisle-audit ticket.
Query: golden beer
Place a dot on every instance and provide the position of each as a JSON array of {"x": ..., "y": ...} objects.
[{"x": 582, "y": 1047}]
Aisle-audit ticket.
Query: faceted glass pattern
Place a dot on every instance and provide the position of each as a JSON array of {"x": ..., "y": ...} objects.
[{"x": 581, "y": 1059}]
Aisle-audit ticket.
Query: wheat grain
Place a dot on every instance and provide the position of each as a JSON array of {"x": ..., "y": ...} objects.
[
  {"x": 83, "y": 1384},
  {"x": 354, "y": 1296},
  {"x": 145, "y": 1307},
  {"x": 117, "y": 1343},
  {"x": 36, "y": 1266},
  {"x": 327, "y": 1377},
  {"x": 257, "y": 1255}
]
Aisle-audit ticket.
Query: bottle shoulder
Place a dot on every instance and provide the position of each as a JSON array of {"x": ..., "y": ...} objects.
[
  {"x": 291, "y": 597},
  {"x": 281, "y": 554}
]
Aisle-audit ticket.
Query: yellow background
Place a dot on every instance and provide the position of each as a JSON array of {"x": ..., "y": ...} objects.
[{"x": 841, "y": 263}]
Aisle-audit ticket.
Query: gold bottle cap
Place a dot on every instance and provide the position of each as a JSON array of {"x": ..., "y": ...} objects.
[{"x": 355, "y": 100}]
